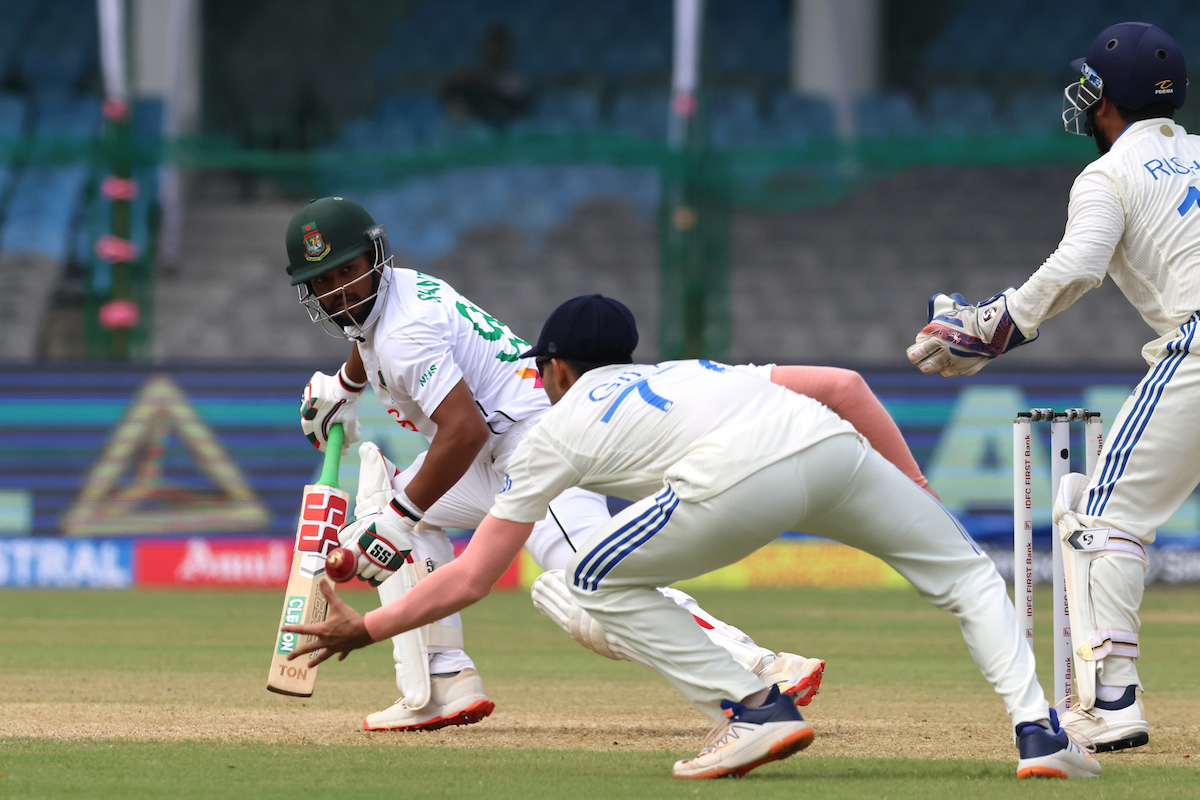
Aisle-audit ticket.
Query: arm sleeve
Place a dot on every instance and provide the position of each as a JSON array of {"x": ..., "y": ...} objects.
[
  {"x": 421, "y": 360},
  {"x": 1095, "y": 224},
  {"x": 846, "y": 393}
]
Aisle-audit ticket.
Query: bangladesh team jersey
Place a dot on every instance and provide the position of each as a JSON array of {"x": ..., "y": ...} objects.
[{"x": 427, "y": 338}]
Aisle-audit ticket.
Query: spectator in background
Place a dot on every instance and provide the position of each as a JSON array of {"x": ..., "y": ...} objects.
[{"x": 492, "y": 92}]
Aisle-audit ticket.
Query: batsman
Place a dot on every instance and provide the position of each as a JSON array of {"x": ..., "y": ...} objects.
[{"x": 1133, "y": 214}]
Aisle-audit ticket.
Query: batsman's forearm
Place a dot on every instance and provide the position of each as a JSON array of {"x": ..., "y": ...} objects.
[
  {"x": 355, "y": 370},
  {"x": 449, "y": 457}
]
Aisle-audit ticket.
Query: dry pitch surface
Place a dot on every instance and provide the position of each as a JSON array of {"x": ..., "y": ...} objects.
[
  {"x": 849, "y": 720},
  {"x": 577, "y": 702}
]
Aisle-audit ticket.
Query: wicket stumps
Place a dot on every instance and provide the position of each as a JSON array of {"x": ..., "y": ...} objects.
[{"x": 1060, "y": 465}]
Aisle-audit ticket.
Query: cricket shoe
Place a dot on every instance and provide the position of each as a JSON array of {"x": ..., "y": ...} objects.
[
  {"x": 795, "y": 675},
  {"x": 748, "y": 738},
  {"x": 1052, "y": 753},
  {"x": 1118, "y": 725},
  {"x": 454, "y": 700}
]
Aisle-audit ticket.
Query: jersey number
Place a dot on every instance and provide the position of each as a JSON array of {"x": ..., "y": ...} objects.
[
  {"x": 1190, "y": 200},
  {"x": 492, "y": 329}
]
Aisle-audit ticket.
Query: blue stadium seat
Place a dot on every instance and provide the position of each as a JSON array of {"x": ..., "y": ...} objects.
[
  {"x": 958, "y": 113},
  {"x": 426, "y": 216},
  {"x": 45, "y": 204},
  {"x": 641, "y": 113},
  {"x": 798, "y": 119},
  {"x": 888, "y": 115},
  {"x": 573, "y": 109},
  {"x": 14, "y": 123},
  {"x": 1032, "y": 111},
  {"x": 68, "y": 116}
]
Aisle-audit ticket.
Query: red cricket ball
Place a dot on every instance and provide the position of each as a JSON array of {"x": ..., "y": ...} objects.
[{"x": 340, "y": 564}]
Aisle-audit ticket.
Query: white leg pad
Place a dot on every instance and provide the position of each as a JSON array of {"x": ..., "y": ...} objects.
[
  {"x": 410, "y": 649},
  {"x": 1085, "y": 550},
  {"x": 552, "y": 597}
]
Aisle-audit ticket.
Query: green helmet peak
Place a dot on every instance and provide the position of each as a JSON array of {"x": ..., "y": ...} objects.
[{"x": 325, "y": 234}]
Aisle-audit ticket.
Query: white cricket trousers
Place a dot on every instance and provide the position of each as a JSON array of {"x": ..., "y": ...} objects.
[
  {"x": 1149, "y": 466},
  {"x": 840, "y": 489}
]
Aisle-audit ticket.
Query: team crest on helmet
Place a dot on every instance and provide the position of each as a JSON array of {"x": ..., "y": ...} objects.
[{"x": 315, "y": 247}]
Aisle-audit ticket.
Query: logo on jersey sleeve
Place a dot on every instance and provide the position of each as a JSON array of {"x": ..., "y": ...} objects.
[
  {"x": 529, "y": 372},
  {"x": 315, "y": 247},
  {"x": 507, "y": 483}
]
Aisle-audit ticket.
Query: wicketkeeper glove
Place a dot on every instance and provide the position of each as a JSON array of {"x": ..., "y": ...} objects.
[
  {"x": 379, "y": 534},
  {"x": 961, "y": 339},
  {"x": 329, "y": 399}
]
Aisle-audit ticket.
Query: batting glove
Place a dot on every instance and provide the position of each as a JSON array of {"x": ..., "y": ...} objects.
[
  {"x": 329, "y": 399},
  {"x": 380, "y": 544},
  {"x": 961, "y": 339}
]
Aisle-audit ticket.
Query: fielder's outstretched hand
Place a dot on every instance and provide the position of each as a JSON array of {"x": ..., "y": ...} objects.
[
  {"x": 342, "y": 631},
  {"x": 961, "y": 339}
]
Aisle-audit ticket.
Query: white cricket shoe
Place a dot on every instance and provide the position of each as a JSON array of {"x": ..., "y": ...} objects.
[
  {"x": 455, "y": 700},
  {"x": 1111, "y": 726},
  {"x": 795, "y": 675},
  {"x": 748, "y": 738},
  {"x": 1052, "y": 753}
]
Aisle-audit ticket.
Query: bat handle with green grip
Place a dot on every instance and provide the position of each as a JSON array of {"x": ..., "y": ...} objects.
[{"x": 333, "y": 456}]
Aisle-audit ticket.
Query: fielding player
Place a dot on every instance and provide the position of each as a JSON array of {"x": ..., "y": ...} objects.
[
  {"x": 445, "y": 368},
  {"x": 718, "y": 464},
  {"x": 1134, "y": 213}
]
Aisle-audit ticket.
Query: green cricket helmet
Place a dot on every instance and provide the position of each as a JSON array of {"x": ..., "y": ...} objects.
[{"x": 324, "y": 235}]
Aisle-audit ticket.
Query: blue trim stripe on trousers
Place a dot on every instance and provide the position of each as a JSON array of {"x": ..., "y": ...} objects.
[
  {"x": 625, "y": 540},
  {"x": 1127, "y": 438}
]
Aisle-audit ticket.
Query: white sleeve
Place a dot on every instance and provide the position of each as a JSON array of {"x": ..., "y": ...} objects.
[
  {"x": 420, "y": 359},
  {"x": 1095, "y": 225},
  {"x": 540, "y": 469}
]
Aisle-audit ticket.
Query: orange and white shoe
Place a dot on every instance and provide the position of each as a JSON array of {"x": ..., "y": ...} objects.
[
  {"x": 795, "y": 675},
  {"x": 454, "y": 700},
  {"x": 1049, "y": 752},
  {"x": 749, "y": 738}
]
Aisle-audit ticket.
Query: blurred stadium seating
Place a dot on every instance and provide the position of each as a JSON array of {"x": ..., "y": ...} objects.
[{"x": 985, "y": 86}]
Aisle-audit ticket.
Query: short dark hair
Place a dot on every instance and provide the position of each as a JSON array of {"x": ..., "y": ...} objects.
[
  {"x": 581, "y": 367},
  {"x": 1152, "y": 111}
]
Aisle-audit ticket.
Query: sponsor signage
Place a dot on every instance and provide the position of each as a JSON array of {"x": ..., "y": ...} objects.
[
  {"x": 55, "y": 563},
  {"x": 293, "y": 615},
  {"x": 214, "y": 562}
]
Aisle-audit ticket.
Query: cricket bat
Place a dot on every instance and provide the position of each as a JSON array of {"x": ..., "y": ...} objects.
[{"x": 321, "y": 517}]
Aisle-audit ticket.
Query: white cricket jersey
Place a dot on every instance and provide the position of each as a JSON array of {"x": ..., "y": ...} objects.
[
  {"x": 427, "y": 338},
  {"x": 1134, "y": 213},
  {"x": 623, "y": 430}
]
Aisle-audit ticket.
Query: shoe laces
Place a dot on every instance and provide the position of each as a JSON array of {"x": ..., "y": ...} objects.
[{"x": 715, "y": 736}]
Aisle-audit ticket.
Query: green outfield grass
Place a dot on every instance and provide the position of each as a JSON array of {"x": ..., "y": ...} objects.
[{"x": 130, "y": 695}]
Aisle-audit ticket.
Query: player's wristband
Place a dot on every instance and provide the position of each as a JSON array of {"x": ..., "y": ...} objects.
[
  {"x": 405, "y": 509},
  {"x": 347, "y": 384}
]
